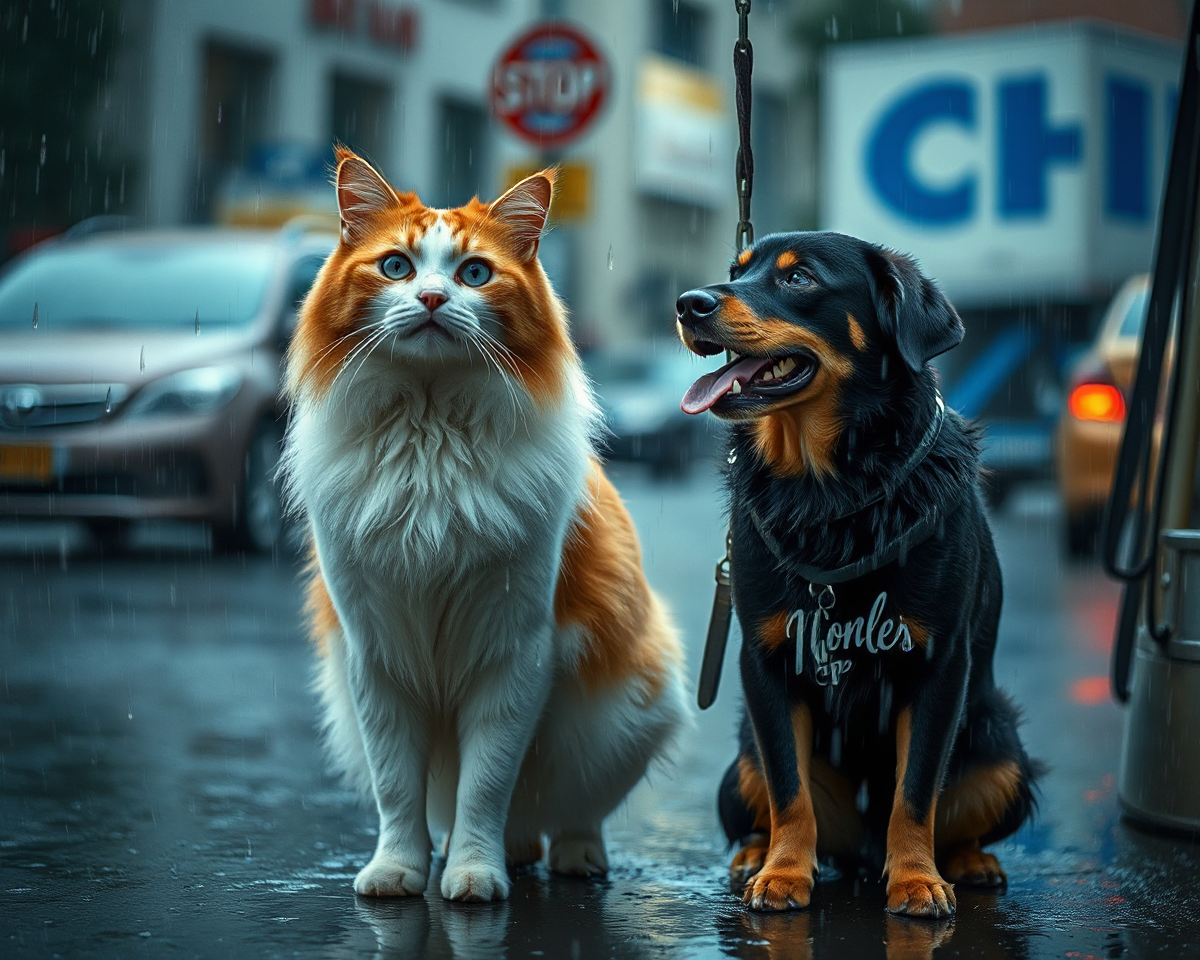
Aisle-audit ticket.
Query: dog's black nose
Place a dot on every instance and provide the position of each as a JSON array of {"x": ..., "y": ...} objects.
[{"x": 694, "y": 306}]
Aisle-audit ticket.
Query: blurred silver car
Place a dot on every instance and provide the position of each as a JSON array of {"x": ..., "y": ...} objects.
[
  {"x": 139, "y": 377},
  {"x": 639, "y": 389}
]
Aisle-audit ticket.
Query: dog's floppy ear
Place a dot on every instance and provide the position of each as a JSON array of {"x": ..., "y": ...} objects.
[{"x": 913, "y": 313}]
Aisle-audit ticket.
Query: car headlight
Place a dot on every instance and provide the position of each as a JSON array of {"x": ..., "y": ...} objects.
[{"x": 189, "y": 392}]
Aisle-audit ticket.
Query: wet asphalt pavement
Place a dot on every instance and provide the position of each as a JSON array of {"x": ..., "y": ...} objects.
[{"x": 162, "y": 792}]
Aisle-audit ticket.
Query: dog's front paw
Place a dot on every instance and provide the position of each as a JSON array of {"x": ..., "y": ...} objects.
[
  {"x": 386, "y": 876},
  {"x": 920, "y": 895},
  {"x": 579, "y": 856},
  {"x": 749, "y": 860},
  {"x": 779, "y": 888},
  {"x": 973, "y": 867},
  {"x": 475, "y": 882}
]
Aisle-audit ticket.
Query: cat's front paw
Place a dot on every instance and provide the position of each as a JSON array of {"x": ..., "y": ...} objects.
[
  {"x": 385, "y": 876},
  {"x": 475, "y": 882}
]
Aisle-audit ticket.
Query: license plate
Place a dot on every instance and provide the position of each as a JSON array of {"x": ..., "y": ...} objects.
[{"x": 26, "y": 463}]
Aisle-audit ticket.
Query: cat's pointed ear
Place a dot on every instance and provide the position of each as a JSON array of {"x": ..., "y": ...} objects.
[
  {"x": 522, "y": 212},
  {"x": 362, "y": 194}
]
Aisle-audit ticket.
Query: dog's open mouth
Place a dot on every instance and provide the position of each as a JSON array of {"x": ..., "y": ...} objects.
[{"x": 750, "y": 379}]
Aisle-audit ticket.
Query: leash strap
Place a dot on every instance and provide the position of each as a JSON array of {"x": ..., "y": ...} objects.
[
  {"x": 743, "y": 68},
  {"x": 718, "y": 632},
  {"x": 722, "y": 609}
]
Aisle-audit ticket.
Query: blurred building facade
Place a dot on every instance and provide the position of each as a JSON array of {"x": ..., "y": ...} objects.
[{"x": 232, "y": 105}]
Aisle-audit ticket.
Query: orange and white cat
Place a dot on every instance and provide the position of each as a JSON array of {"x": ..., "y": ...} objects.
[{"x": 493, "y": 663}]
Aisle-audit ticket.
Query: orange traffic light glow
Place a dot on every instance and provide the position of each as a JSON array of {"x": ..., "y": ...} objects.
[{"x": 1101, "y": 402}]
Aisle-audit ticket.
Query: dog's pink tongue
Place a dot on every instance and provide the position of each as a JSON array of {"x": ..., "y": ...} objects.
[{"x": 713, "y": 386}]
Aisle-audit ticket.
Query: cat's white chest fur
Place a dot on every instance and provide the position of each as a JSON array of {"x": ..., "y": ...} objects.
[{"x": 436, "y": 506}]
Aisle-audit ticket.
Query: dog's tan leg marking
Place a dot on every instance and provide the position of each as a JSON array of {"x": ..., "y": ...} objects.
[
  {"x": 971, "y": 808},
  {"x": 753, "y": 790},
  {"x": 966, "y": 863},
  {"x": 785, "y": 881},
  {"x": 914, "y": 885},
  {"x": 749, "y": 860}
]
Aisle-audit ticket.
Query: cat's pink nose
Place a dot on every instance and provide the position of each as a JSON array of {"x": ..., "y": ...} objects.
[{"x": 432, "y": 299}]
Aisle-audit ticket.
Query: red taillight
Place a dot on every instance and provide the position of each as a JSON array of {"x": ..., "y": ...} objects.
[{"x": 1101, "y": 402}]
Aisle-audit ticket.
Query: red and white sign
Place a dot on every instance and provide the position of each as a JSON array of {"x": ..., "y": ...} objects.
[{"x": 550, "y": 84}]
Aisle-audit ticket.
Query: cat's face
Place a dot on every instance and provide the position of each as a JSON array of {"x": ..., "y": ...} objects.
[{"x": 423, "y": 288}]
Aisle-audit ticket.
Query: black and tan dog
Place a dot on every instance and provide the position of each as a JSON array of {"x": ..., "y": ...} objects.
[{"x": 864, "y": 578}]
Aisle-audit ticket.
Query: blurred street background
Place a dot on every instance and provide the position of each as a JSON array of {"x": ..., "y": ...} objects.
[{"x": 164, "y": 207}]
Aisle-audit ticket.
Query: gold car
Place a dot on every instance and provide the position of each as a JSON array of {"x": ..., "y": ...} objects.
[{"x": 1093, "y": 418}]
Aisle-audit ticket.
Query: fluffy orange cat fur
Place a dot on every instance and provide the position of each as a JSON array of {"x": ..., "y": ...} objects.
[{"x": 493, "y": 665}]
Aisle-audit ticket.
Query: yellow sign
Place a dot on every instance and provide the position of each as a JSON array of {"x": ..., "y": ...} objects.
[{"x": 572, "y": 189}]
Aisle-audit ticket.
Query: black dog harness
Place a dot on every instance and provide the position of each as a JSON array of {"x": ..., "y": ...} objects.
[{"x": 897, "y": 549}]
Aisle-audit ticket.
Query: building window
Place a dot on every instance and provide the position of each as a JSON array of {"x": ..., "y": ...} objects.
[
  {"x": 462, "y": 170},
  {"x": 683, "y": 31},
  {"x": 235, "y": 115},
  {"x": 360, "y": 116}
]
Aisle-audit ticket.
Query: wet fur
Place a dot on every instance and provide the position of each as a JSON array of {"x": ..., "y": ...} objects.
[
  {"x": 875, "y": 314},
  {"x": 482, "y": 671}
]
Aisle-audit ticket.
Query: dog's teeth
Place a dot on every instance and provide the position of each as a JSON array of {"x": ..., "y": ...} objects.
[
  {"x": 777, "y": 371},
  {"x": 787, "y": 366},
  {"x": 737, "y": 386},
  {"x": 735, "y": 356}
]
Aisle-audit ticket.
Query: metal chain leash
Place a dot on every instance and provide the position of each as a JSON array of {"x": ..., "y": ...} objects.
[
  {"x": 743, "y": 67},
  {"x": 722, "y": 611}
]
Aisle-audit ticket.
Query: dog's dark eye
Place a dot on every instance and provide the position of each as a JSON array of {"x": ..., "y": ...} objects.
[{"x": 797, "y": 278}]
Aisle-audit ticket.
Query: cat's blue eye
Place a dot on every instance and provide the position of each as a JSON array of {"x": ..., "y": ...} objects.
[
  {"x": 475, "y": 273},
  {"x": 395, "y": 266}
]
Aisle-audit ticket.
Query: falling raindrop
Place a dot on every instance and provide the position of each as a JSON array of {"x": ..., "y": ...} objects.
[
  {"x": 35, "y": 315},
  {"x": 218, "y": 113},
  {"x": 42, "y": 152},
  {"x": 197, "y": 321},
  {"x": 610, "y": 256},
  {"x": 108, "y": 401},
  {"x": 899, "y": 23},
  {"x": 25, "y": 28},
  {"x": 835, "y": 747},
  {"x": 863, "y": 800},
  {"x": 142, "y": 360},
  {"x": 1, "y": 163},
  {"x": 883, "y": 364},
  {"x": 506, "y": 573}
]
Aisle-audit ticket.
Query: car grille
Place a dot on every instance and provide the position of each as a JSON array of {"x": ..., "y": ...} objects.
[{"x": 27, "y": 406}]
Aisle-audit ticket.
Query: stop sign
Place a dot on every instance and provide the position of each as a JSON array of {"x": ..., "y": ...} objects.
[{"x": 550, "y": 84}]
